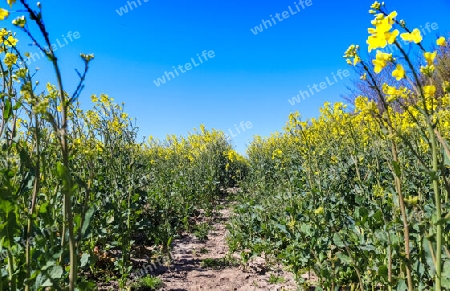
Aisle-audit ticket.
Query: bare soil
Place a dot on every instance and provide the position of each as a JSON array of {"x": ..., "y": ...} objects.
[{"x": 187, "y": 273}]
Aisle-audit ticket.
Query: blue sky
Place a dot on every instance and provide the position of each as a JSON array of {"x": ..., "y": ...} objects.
[{"x": 250, "y": 78}]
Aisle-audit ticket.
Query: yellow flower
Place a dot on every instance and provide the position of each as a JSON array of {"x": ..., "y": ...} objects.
[
  {"x": 20, "y": 21},
  {"x": 356, "y": 61},
  {"x": 378, "y": 191},
  {"x": 361, "y": 102},
  {"x": 429, "y": 91},
  {"x": 413, "y": 200},
  {"x": 414, "y": 36},
  {"x": 319, "y": 210},
  {"x": 393, "y": 93},
  {"x": 10, "y": 2},
  {"x": 446, "y": 86},
  {"x": 429, "y": 57},
  {"x": 3, "y": 14},
  {"x": 392, "y": 36},
  {"x": 381, "y": 35},
  {"x": 77, "y": 142},
  {"x": 276, "y": 153},
  {"x": 104, "y": 99},
  {"x": 3, "y": 33},
  {"x": 10, "y": 59},
  {"x": 94, "y": 98},
  {"x": 376, "y": 5},
  {"x": 11, "y": 41},
  {"x": 375, "y": 42},
  {"x": 427, "y": 70},
  {"x": 399, "y": 72},
  {"x": 99, "y": 147},
  {"x": 441, "y": 41},
  {"x": 381, "y": 61}
]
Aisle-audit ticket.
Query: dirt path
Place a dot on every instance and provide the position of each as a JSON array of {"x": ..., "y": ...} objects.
[{"x": 190, "y": 255}]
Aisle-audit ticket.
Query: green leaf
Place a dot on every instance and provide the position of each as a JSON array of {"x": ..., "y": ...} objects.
[
  {"x": 305, "y": 228},
  {"x": 383, "y": 271},
  {"x": 87, "y": 221},
  {"x": 56, "y": 272},
  {"x": 344, "y": 258},
  {"x": 85, "y": 259},
  {"x": 7, "y": 111},
  {"x": 446, "y": 159},
  {"x": 43, "y": 208},
  {"x": 110, "y": 219},
  {"x": 401, "y": 286},
  {"x": 61, "y": 170},
  {"x": 338, "y": 241},
  {"x": 281, "y": 227},
  {"x": 17, "y": 105},
  {"x": 445, "y": 151},
  {"x": 446, "y": 275}
]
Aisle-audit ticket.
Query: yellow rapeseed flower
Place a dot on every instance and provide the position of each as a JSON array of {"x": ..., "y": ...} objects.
[
  {"x": 381, "y": 35},
  {"x": 11, "y": 41},
  {"x": 399, "y": 72},
  {"x": 446, "y": 86},
  {"x": 319, "y": 210},
  {"x": 376, "y": 5},
  {"x": 361, "y": 102},
  {"x": 104, "y": 99},
  {"x": 393, "y": 93},
  {"x": 429, "y": 57},
  {"x": 441, "y": 41},
  {"x": 413, "y": 200},
  {"x": 99, "y": 147},
  {"x": 414, "y": 36},
  {"x": 427, "y": 70},
  {"x": 276, "y": 153},
  {"x": 20, "y": 21},
  {"x": 429, "y": 91},
  {"x": 3, "y": 33},
  {"x": 381, "y": 61},
  {"x": 3, "y": 14},
  {"x": 10, "y": 59}
]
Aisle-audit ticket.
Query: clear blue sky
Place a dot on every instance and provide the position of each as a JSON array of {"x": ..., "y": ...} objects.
[{"x": 251, "y": 77}]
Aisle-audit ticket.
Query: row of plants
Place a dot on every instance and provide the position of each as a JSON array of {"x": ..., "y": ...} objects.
[
  {"x": 359, "y": 196},
  {"x": 80, "y": 195}
]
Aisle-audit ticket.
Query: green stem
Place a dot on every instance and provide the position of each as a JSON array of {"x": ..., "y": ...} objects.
[
  {"x": 12, "y": 276},
  {"x": 398, "y": 188},
  {"x": 36, "y": 188},
  {"x": 437, "y": 198}
]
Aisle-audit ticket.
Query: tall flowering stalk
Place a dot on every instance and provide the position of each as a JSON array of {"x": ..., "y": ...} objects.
[
  {"x": 40, "y": 110},
  {"x": 420, "y": 101}
]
